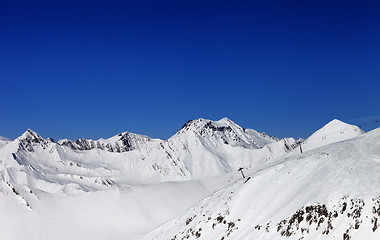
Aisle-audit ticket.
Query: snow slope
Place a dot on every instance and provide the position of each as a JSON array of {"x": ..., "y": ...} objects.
[
  {"x": 206, "y": 148},
  {"x": 334, "y": 131},
  {"x": 117, "y": 213},
  {"x": 331, "y": 192},
  {"x": 126, "y": 186},
  {"x": 3, "y": 141}
]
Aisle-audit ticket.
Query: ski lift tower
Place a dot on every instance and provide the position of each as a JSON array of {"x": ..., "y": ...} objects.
[
  {"x": 241, "y": 170},
  {"x": 299, "y": 143}
]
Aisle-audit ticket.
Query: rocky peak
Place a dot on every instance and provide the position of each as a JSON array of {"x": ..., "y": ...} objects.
[
  {"x": 198, "y": 124},
  {"x": 30, "y": 138},
  {"x": 265, "y": 135},
  {"x": 193, "y": 124},
  {"x": 123, "y": 142},
  {"x": 224, "y": 129}
]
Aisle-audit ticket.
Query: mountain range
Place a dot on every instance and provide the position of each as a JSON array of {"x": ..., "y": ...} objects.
[{"x": 131, "y": 186}]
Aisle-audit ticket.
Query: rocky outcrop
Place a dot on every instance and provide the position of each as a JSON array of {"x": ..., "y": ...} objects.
[{"x": 123, "y": 142}]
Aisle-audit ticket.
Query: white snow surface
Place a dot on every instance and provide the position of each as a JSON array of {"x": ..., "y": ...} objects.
[
  {"x": 187, "y": 187},
  {"x": 4, "y": 141},
  {"x": 334, "y": 131},
  {"x": 332, "y": 192}
]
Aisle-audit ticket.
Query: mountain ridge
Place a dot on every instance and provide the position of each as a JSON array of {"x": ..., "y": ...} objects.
[
  {"x": 330, "y": 192},
  {"x": 127, "y": 139},
  {"x": 202, "y": 148},
  {"x": 189, "y": 187}
]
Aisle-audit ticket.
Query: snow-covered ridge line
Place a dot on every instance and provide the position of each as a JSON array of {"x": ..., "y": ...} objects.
[
  {"x": 228, "y": 131},
  {"x": 122, "y": 142},
  {"x": 331, "y": 192},
  {"x": 127, "y": 141},
  {"x": 202, "y": 148},
  {"x": 126, "y": 193}
]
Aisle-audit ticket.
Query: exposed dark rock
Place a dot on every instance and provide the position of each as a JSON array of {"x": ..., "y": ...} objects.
[
  {"x": 318, "y": 217},
  {"x": 31, "y": 138},
  {"x": 126, "y": 142}
]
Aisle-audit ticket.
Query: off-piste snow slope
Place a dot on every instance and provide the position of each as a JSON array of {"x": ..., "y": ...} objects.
[
  {"x": 327, "y": 192},
  {"x": 128, "y": 185}
]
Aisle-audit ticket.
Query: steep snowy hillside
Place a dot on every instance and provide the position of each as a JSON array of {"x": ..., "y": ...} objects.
[
  {"x": 331, "y": 192},
  {"x": 227, "y": 132},
  {"x": 206, "y": 148},
  {"x": 261, "y": 139}
]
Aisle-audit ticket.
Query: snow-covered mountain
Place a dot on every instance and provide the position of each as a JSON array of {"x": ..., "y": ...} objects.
[
  {"x": 331, "y": 192},
  {"x": 226, "y": 131},
  {"x": 187, "y": 187},
  {"x": 201, "y": 148},
  {"x": 334, "y": 131},
  {"x": 206, "y": 148}
]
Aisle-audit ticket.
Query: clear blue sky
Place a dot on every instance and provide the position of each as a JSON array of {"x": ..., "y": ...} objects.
[{"x": 71, "y": 69}]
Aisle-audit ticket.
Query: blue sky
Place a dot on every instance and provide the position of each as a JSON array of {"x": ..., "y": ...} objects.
[{"x": 91, "y": 69}]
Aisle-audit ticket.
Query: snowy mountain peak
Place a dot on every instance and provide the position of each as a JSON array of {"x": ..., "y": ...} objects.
[
  {"x": 31, "y": 135},
  {"x": 336, "y": 123},
  {"x": 200, "y": 123},
  {"x": 225, "y": 120},
  {"x": 224, "y": 131},
  {"x": 194, "y": 124},
  {"x": 332, "y": 132},
  {"x": 30, "y": 138},
  {"x": 335, "y": 127}
]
